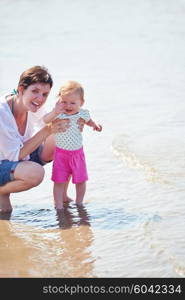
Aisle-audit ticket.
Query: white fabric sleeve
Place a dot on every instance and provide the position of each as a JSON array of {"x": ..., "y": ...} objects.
[{"x": 84, "y": 114}]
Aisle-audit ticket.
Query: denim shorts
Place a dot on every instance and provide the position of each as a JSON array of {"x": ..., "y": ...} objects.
[{"x": 7, "y": 167}]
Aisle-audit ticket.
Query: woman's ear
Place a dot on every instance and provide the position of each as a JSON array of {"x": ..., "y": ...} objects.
[{"x": 20, "y": 89}]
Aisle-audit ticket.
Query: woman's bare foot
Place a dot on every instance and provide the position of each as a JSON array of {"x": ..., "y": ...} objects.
[{"x": 5, "y": 205}]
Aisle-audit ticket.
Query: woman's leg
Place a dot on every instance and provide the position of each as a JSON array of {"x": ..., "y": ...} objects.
[
  {"x": 27, "y": 174},
  {"x": 48, "y": 150},
  {"x": 5, "y": 205},
  {"x": 80, "y": 192}
]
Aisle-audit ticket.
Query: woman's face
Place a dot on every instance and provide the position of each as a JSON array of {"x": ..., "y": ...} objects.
[{"x": 35, "y": 95}]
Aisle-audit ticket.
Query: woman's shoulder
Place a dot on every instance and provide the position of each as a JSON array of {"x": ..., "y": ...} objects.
[
  {"x": 5, "y": 116},
  {"x": 3, "y": 105}
]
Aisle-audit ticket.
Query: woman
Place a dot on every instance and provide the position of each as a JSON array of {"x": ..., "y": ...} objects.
[{"x": 23, "y": 153}]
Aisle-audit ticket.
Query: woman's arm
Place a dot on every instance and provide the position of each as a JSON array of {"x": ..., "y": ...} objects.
[
  {"x": 11, "y": 145},
  {"x": 36, "y": 140}
]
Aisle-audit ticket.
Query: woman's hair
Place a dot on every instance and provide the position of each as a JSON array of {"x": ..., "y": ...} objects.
[
  {"x": 36, "y": 74},
  {"x": 71, "y": 87}
]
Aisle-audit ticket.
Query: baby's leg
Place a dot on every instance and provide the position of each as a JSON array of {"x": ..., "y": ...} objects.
[
  {"x": 80, "y": 192},
  {"x": 58, "y": 192},
  {"x": 66, "y": 198}
]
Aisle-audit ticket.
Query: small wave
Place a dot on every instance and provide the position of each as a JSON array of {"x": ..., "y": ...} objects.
[
  {"x": 118, "y": 218},
  {"x": 163, "y": 243},
  {"x": 121, "y": 149}
]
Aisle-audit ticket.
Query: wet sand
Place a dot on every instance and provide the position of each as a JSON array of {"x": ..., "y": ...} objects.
[
  {"x": 29, "y": 252},
  {"x": 14, "y": 253}
]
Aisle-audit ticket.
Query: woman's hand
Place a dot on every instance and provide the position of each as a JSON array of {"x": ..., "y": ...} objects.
[
  {"x": 59, "y": 125},
  {"x": 81, "y": 123}
]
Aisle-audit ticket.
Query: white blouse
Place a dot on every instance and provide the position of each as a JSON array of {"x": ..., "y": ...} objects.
[{"x": 11, "y": 141}]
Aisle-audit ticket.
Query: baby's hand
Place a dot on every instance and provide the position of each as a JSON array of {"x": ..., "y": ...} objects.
[
  {"x": 59, "y": 108},
  {"x": 97, "y": 127}
]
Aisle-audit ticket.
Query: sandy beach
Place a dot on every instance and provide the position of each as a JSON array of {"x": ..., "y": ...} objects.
[
  {"x": 14, "y": 253},
  {"x": 27, "y": 252}
]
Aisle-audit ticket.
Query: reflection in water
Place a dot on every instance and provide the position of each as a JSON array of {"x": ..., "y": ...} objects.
[
  {"x": 5, "y": 216},
  {"x": 61, "y": 252},
  {"x": 66, "y": 218},
  {"x": 74, "y": 242}
]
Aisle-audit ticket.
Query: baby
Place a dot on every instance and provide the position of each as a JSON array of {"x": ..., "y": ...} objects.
[{"x": 69, "y": 159}]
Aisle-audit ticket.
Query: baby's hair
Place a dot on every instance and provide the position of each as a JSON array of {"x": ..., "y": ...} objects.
[{"x": 71, "y": 87}]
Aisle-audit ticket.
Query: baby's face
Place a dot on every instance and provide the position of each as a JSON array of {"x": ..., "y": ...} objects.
[{"x": 71, "y": 103}]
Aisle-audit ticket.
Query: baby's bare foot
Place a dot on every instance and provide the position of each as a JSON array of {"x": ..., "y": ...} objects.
[
  {"x": 79, "y": 203},
  {"x": 59, "y": 208},
  {"x": 67, "y": 199},
  {"x": 58, "y": 205}
]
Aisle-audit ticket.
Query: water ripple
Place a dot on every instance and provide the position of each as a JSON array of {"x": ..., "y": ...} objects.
[{"x": 112, "y": 218}]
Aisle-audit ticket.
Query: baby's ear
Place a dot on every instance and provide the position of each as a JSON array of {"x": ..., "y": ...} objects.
[{"x": 82, "y": 102}]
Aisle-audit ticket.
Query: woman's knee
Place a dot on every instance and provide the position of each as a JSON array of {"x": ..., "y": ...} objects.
[
  {"x": 30, "y": 172},
  {"x": 36, "y": 178}
]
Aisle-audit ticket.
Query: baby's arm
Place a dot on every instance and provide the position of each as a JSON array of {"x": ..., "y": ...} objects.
[
  {"x": 58, "y": 109},
  {"x": 49, "y": 117},
  {"x": 86, "y": 119},
  {"x": 93, "y": 124}
]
